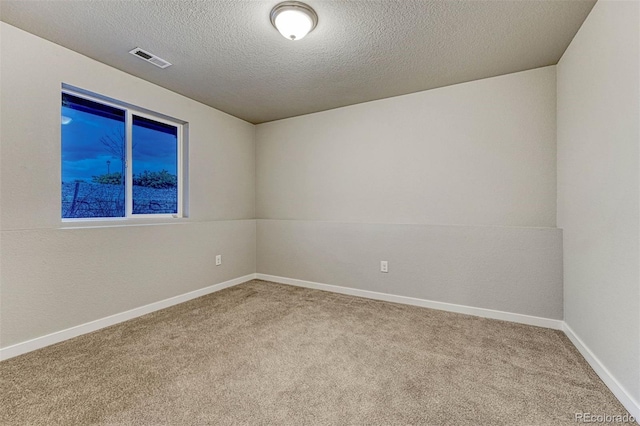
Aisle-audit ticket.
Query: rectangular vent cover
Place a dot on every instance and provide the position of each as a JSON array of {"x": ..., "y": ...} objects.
[{"x": 150, "y": 57}]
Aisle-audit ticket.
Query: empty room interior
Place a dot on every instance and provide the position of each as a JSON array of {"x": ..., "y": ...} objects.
[{"x": 329, "y": 212}]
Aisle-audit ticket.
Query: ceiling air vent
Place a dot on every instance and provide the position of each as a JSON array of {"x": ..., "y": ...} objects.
[{"x": 150, "y": 57}]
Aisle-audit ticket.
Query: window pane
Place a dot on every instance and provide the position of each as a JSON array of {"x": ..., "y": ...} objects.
[
  {"x": 155, "y": 167},
  {"x": 93, "y": 154}
]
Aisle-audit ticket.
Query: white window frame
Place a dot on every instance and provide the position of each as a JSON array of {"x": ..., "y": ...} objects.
[{"x": 130, "y": 111}]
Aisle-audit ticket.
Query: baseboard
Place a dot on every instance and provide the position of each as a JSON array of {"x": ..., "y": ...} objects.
[
  {"x": 442, "y": 306},
  {"x": 40, "y": 342},
  {"x": 59, "y": 336},
  {"x": 632, "y": 406}
]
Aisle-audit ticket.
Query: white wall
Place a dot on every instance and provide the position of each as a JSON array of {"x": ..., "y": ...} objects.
[
  {"x": 471, "y": 156},
  {"x": 54, "y": 278},
  {"x": 598, "y": 187},
  {"x": 479, "y": 153}
]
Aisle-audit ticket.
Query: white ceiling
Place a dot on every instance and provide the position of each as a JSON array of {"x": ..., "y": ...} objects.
[{"x": 227, "y": 55}]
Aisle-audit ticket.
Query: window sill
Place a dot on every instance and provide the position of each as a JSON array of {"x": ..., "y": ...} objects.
[{"x": 120, "y": 222}]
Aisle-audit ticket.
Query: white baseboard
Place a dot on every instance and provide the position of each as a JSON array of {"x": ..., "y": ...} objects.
[
  {"x": 69, "y": 333},
  {"x": 40, "y": 342},
  {"x": 632, "y": 406},
  {"x": 442, "y": 306}
]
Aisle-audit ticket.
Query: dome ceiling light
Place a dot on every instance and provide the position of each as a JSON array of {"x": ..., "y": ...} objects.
[{"x": 294, "y": 19}]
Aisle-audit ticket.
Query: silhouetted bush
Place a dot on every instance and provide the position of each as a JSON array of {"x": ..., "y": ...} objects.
[
  {"x": 158, "y": 180},
  {"x": 108, "y": 179}
]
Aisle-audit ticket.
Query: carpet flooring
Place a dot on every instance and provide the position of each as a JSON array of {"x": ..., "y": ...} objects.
[{"x": 263, "y": 353}]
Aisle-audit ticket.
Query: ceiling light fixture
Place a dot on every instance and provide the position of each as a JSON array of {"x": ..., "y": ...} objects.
[{"x": 294, "y": 19}]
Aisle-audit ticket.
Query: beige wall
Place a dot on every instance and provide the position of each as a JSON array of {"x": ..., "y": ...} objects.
[
  {"x": 341, "y": 190},
  {"x": 598, "y": 187},
  {"x": 54, "y": 278},
  {"x": 509, "y": 269},
  {"x": 479, "y": 153}
]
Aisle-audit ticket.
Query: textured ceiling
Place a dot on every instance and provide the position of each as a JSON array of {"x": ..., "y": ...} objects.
[{"x": 227, "y": 55}]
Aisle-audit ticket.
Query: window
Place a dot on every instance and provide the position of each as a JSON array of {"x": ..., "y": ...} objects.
[{"x": 117, "y": 161}]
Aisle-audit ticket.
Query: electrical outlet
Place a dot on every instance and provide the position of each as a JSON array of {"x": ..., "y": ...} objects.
[
  {"x": 384, "y": 266},
  {"x": 219, "y": 260}
]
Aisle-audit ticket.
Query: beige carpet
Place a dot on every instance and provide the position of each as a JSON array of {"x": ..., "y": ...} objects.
[{"x": 263, "y": 353}]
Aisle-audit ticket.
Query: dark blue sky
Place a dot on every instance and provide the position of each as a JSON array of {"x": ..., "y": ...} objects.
[
  {"x": 84, "y": 156},
  {"x": 153, "y": 149}
]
